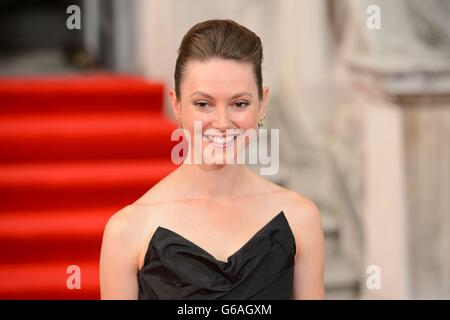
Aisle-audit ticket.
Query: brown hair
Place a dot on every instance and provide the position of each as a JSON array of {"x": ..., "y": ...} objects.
[{"x": 223, "y": 39}]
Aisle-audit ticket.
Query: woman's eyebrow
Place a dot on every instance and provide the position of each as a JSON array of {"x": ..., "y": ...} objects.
[
  {"x": 237, "y": 95},
  {"x": 243, "y": 93},
  {"x": 201, "y": 93}
]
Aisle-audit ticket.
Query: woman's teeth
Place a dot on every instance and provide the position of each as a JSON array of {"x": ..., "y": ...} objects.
[{"x": 220, "y": 140}]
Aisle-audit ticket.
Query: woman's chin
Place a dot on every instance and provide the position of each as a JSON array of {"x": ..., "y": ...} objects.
[
  {"x": 212, "y": 154},
  {"x": 220, "y": 159},
  {"x": 218, "y": 154}
]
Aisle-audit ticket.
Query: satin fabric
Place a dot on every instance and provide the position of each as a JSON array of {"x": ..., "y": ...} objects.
[{"x": 263, "y": 268}]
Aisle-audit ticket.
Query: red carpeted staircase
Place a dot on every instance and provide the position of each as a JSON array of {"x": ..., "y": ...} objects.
[{"x": 74, "y": 150}]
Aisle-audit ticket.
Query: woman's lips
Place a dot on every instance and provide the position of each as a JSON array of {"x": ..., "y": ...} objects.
[{"x": 220, "y": 141}]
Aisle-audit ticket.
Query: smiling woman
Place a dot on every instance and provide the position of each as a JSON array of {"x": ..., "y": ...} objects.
[
  {"x": 215, "y": 230},
  {"x": 212, "y": 93}
]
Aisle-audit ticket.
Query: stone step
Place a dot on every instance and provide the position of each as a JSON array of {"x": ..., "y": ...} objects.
[
  {"x": 331, "y": 233},
  {"x": 341, "y": 278}
]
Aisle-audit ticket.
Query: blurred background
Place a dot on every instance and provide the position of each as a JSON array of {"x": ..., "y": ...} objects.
[{"x": 359, "y": 89}]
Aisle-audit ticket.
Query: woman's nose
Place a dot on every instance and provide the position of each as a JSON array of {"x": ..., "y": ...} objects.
[{"x": 222, "y": 119}]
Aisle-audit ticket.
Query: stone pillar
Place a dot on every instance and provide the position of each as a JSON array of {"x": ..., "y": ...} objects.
[
  {"x": 402, "y": 71},
  {"x": 427, "y": 153}
]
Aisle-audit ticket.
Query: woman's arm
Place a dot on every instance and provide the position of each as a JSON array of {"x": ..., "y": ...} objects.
[
  {"x": 309, "y": 263},
  {"x": 118, "y": 259}
]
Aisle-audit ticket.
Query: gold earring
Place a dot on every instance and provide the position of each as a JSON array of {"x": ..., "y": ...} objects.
[
  {"x": 178, "y": 120},
  {"x": 260, "y": 122}
]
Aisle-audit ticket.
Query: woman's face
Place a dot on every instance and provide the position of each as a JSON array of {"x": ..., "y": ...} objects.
[{"x": 223, "y": 95}]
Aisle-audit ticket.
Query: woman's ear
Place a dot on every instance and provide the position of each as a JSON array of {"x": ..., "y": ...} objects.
[
  {"x": 176, "y": 108},
  {"x": 263, "y": 102}
]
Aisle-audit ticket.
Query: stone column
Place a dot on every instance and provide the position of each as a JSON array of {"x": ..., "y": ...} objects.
[{"x": 402, "y": 71}]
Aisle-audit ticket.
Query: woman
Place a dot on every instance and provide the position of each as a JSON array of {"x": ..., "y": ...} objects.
[{"x": 215, "y": 230}]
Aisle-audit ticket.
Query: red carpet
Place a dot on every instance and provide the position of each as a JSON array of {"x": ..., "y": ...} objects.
[{"x": 75, "y": 149}]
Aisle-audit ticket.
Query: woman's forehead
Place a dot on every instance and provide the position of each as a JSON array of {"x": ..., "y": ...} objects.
[{"x": 219, "y": 76}]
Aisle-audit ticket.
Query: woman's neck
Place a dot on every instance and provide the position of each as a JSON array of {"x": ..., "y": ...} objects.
[{"x": 213, "y": 182}]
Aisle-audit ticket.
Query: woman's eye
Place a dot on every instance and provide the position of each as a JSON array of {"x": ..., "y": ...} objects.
[
  {"x": 201, "y": 105},
  {"x": 241, "y": 104}
]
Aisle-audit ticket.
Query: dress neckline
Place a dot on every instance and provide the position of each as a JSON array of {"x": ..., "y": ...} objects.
[{"x": 160, "y": 229}]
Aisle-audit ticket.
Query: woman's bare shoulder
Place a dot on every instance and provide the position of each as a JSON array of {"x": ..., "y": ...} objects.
[
  {"x": 148, "y": 208},
  {"x": 129, "y": 227},
  {"x": 263, "y": 185},
  {"x": 138, "y": 213},
  {"x": 120, "y": 236},
  {"x": 295, "y": 205},
  {"x": 304, "y": 218},
  {"x": 122, "y": 222},
  {"x": 162, "y": 192}
]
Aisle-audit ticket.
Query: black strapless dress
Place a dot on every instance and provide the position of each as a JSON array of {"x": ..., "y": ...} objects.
[{"x": 263, "y": 268}]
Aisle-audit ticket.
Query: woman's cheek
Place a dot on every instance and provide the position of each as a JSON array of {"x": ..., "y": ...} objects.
[{"x": 249, "y": 123}]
